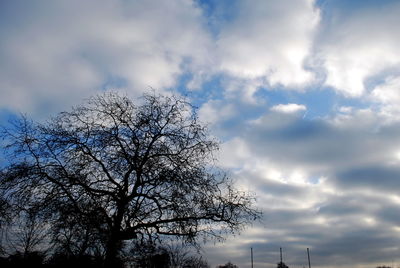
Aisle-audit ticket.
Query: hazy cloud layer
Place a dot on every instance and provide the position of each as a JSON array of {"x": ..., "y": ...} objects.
[{"x": 257, "y": 70}]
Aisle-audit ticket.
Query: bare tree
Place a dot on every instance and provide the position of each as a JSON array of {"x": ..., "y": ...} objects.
[
  {"x": 27, "y": 233},
  {"x": 129, "y": 171},
  {"x": 77, "y": 239},
  {"x": 178, "y": 254},
  {"x": 195, "y": 262}
]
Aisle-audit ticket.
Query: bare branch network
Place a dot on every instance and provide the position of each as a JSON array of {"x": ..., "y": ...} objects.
[{"x": 123, "y": 171}]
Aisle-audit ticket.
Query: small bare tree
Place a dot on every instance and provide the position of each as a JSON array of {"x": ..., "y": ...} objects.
[
  {"x": 27, "y": 233},
  {"x": 195, "y": 262}
]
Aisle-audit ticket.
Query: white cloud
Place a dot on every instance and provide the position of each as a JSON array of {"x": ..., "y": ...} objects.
[
  {"x": 386, "y": 96},
  {"x": 345, "y": 109},
  {"x": 361, "y": 46},
  {"x": 234, "y": 154},
  {"x": 216, "y": 111},
  {"x": 243, "y": 89},
  {"x": 269, "y": 39},
  {"x": 387, "y": 92},
  {"x": 59, "y": 52},
  {"x": 289, "y": 108}
]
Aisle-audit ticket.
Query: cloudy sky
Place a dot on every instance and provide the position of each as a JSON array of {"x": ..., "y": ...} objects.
[{"x": 304, "y": 96}]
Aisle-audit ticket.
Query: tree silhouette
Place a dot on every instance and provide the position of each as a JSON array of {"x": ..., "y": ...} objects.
[{"x": 124, "y": 171}]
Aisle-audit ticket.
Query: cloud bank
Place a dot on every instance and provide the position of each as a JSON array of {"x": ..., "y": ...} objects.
[{"x": 69, "y": 49}]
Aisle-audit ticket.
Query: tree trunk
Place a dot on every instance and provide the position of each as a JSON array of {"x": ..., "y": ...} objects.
[
  {"x": 113, "y": 247},
  {"x": 114, "y": 242}
]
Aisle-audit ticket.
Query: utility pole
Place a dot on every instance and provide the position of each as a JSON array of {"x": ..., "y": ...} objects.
[
  {"x": 308, "y": 253},
  {"x": 251, "y": 250}
]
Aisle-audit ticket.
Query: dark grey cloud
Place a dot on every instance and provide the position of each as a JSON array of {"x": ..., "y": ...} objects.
[
  {"x": 322, "y": 142},
  {"x": 346, "y": 207},
  {"x": 383, "y": 178}
]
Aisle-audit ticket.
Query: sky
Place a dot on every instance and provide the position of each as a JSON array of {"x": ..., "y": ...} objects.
[{"x": 304, "y": 96}]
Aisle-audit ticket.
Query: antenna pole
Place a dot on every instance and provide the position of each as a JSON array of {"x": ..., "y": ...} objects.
[
  {"x": 281, "y": 253},
  {"x": 251, "y": 250},
  {"x": 308, "y": 253}
]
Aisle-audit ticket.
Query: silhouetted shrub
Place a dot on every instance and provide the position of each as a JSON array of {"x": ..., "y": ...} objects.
[
  {"x": 68, "y": 261},
  {"x": 228, "y": 265},
  {"x": 29, "y": 260},
  {"x": 282, "y": 265}
]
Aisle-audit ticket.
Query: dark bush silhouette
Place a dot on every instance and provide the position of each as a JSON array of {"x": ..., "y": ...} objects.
[
  {"x": 228, "y": 265},
  {"x": 282, "y": 265},
  {"x": 18, "y": 259},
  {"x": 160, "y": 260},
  {"x": 111, "y": 171},
  {"x": 60, "y": 260},
  {"x": 165, "y": 255}
]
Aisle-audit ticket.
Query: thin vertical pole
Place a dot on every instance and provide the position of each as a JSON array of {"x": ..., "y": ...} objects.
[
  {"x": 309, "y": 262},
  {"x": 251, "y": 249},
  {"x": 281, "y": 253}
]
